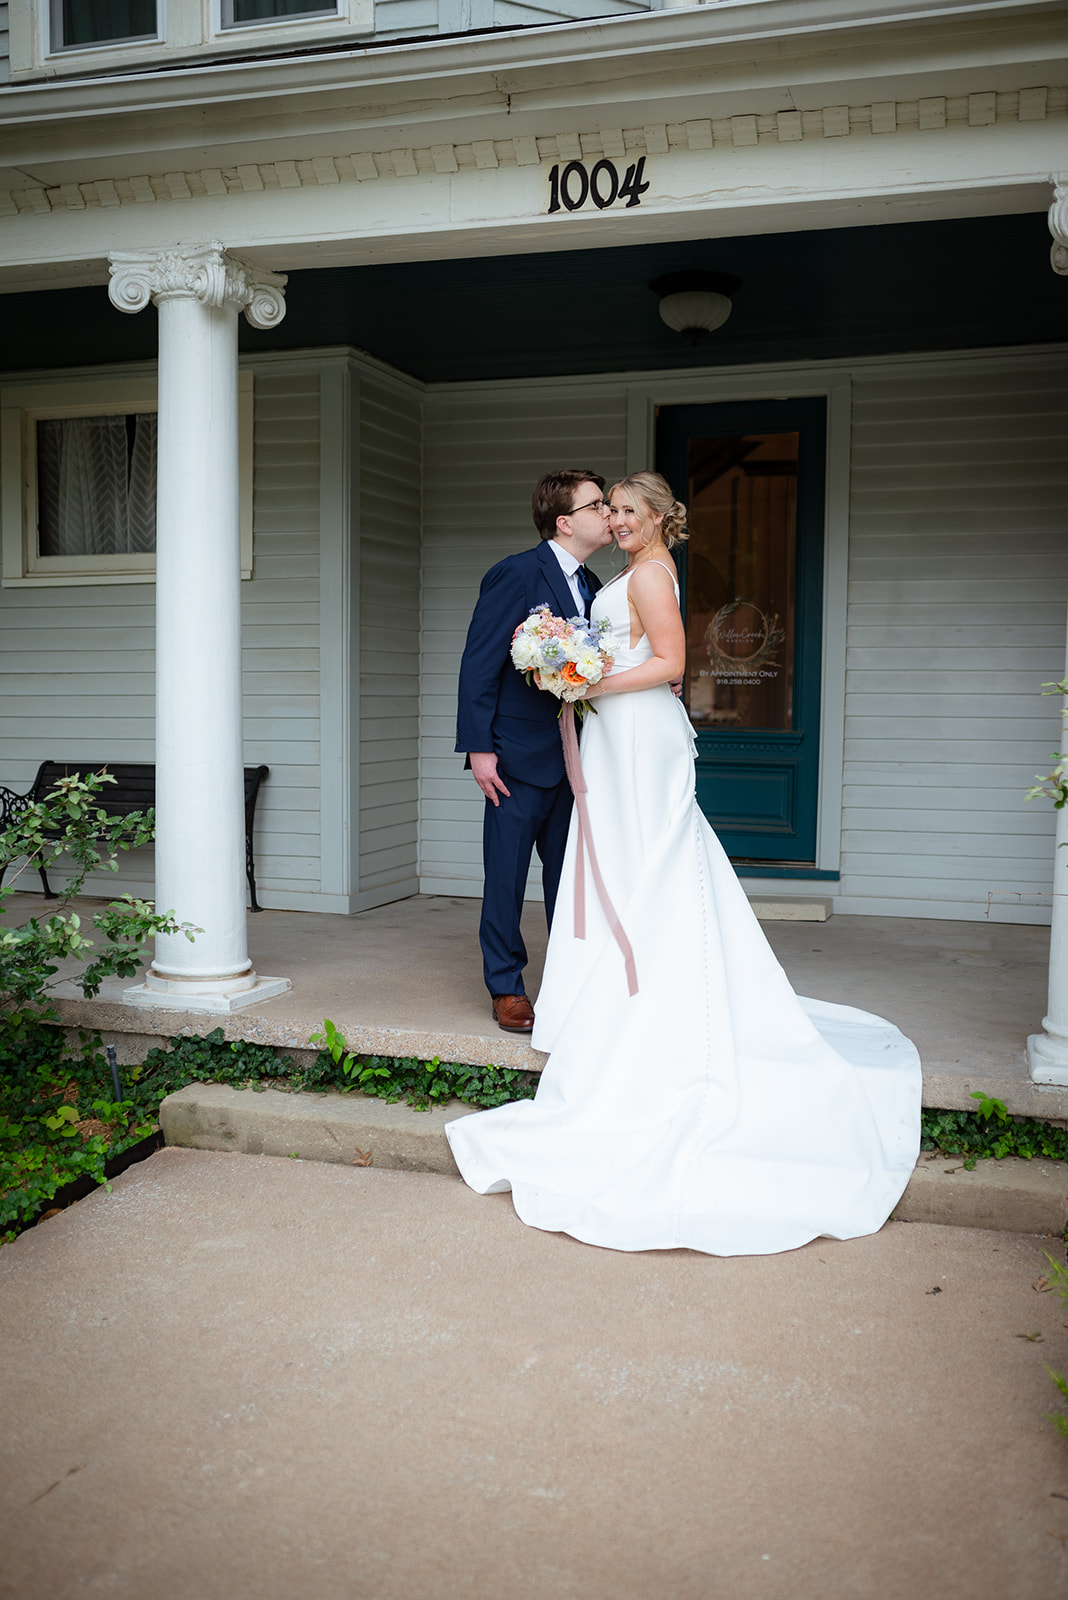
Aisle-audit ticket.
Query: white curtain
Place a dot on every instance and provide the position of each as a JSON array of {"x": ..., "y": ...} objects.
[{"x": 96, "y": 485}]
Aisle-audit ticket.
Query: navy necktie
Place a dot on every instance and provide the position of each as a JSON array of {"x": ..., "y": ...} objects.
[{"x": 585, "y": 588}]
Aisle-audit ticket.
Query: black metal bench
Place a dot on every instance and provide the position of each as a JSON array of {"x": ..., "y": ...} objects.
[{"x": 134, "y": 789}]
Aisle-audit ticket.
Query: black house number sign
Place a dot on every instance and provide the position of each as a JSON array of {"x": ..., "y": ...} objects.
[{"x": 572, "y": 187}]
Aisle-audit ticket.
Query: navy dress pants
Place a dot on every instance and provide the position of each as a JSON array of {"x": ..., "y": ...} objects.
[{"x": 529, "y": 818}]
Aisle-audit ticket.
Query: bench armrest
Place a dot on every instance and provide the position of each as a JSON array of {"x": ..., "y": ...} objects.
[{"x": 12, "y": 806}]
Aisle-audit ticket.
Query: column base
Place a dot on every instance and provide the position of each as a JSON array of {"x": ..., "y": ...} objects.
[
  {"x": 1047, "y": 1059},
  {"x": 213, "y": 1000}
]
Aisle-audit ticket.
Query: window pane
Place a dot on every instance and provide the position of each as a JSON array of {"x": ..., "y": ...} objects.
[
  {"x": 263, "y": 10},
  {"x": 740, "y": 581},
  {"x": 102, "y": 21},
  {"x": 96, "y": 485}
]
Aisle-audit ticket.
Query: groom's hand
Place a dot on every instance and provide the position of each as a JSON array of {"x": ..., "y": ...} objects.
[{"x": 484, "y": 771}]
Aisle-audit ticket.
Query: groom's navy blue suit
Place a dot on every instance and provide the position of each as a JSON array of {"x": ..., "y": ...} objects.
[{"x": 500, "y": 711}]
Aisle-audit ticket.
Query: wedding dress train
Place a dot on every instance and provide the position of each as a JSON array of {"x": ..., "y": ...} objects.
[{"x": 713, "y": 1109}]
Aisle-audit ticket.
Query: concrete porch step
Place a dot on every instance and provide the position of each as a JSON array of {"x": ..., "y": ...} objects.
[{"x": 1013, "y": 1195}]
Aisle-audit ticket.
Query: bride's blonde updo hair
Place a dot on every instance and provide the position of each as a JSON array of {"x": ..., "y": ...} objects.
[{"x": 655, "y": 495}]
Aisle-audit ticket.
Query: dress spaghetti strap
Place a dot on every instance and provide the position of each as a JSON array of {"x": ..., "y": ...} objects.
[{"x": 653, "y": 562}]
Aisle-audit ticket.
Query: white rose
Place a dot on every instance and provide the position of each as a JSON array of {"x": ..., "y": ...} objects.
[{"x": 525, "y": 653}]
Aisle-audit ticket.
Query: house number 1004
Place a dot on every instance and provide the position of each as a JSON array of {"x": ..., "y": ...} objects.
[{"x": 572, "y": 187}]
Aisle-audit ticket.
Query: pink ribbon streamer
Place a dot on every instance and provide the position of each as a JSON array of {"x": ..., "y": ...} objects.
[{"x": 573, "y": 767}]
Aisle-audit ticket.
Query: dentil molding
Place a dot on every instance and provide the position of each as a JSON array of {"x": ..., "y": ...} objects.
[
  {"x": 200, "y": 272},
  {"x": 931, "y": 115}
]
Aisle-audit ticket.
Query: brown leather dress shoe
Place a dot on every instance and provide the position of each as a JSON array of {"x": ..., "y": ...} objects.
[{"x": 513, "y": 1013}]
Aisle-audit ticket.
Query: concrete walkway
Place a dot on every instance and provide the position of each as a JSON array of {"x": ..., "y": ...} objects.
[
  {"x": 406, "y": 980},
  {"x": 239, "y": 1376}
]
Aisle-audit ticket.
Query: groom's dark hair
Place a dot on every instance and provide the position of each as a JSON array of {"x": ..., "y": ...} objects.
[{"x": 554, "y": 496}]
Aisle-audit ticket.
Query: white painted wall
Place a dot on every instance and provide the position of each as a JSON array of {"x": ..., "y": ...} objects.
[
  {"x": 958, "y": 573},
  {"x": 389, "y": 539},
  {"x": 486, "y": 446},
  {"x": 330, "y": 633},
  {"x": 280, "y": 634},
  {"x": 77, "y": 664},
  {"x": 958, "y": 567}
]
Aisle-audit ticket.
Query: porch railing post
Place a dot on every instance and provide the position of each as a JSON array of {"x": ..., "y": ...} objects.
[
  {"x": 1047, "y": 1052},
  {"x": 200, "y": 812}
]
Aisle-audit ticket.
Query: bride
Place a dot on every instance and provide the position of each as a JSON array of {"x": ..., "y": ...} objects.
[{"x": 713, "y": 1109}]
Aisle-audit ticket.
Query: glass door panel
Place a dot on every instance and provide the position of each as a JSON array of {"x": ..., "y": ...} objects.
[
  {"x": 752, "y": 477},
  {"x": 741, "y": 562}
]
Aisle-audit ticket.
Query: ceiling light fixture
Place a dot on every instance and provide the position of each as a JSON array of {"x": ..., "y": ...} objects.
[{"x": 695, "y": 303}]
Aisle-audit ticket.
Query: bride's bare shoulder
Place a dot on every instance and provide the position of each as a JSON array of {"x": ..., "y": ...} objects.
[{"x": 649, "y": 577}]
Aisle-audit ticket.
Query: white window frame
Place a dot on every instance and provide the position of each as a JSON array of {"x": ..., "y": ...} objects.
[
  {"x": 22, "y": 406},
  {"x": 186, "y": 30}
]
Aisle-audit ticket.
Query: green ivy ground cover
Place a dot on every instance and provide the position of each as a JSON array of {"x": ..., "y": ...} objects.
[
  {"x": 990, "y": 1131},
  {"x": 59, "y": 1119}
]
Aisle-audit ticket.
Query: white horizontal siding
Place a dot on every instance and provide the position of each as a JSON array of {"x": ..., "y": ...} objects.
[
  {"x": 958, "y": 582},
  {"x": 390, "y": 508},
  {"x": 280, "y": 635},
  {"x": 77, "y": 664},
  {"x": 485, "y": 449},
  {"x": 77, "y": 684},
  {"x": 5, "y": 64}
]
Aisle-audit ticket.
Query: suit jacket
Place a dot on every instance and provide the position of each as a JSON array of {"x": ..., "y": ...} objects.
[{"x": 498, "y": 710}]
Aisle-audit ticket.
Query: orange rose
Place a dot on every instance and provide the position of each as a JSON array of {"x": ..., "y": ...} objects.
[{"x": 570, "y": 673}]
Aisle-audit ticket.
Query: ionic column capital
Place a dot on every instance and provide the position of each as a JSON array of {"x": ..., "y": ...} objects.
[
  {"x": 1058, "y": 224},
  {"x": 207, "y": 273}
]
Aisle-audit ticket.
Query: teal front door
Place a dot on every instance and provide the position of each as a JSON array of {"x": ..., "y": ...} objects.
[{"x": 752, "y": 475}]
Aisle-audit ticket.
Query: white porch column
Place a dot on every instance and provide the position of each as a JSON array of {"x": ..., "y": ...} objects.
[
  {"x": 1047, "y": 1052},
  {"x": 200, "y": 809}
]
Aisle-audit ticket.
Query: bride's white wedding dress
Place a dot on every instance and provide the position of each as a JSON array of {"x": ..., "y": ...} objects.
[{"x": 714, "y": 1109}]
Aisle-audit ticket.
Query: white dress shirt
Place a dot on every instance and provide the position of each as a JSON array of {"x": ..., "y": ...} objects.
[{"x": 569, "y": 566}]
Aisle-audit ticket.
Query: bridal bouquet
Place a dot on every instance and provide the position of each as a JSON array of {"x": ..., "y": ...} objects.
[{"x": 567, "y": 655}]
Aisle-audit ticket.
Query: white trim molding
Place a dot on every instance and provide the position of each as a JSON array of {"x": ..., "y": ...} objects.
[{"x": 706, "y": 136}]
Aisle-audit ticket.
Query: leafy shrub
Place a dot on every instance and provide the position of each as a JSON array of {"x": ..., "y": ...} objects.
[
  {"x": 72, "y": 822},
  {"x": 59, "y": 1119}
]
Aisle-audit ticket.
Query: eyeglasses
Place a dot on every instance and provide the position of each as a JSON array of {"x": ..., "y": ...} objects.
[{"x": 591, "y": 505}]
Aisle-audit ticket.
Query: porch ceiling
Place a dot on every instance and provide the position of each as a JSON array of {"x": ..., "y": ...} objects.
[{"x": 972, "y": 283}]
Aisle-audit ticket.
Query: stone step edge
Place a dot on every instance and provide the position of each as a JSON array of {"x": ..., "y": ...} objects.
[{"x": 1012, "y": 1195}]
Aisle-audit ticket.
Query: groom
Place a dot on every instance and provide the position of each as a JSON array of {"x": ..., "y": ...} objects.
[{"x": 510, "y": 730}]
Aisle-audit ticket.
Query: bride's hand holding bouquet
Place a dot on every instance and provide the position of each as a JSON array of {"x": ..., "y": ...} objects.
[{"x": 564, "y": 656}]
